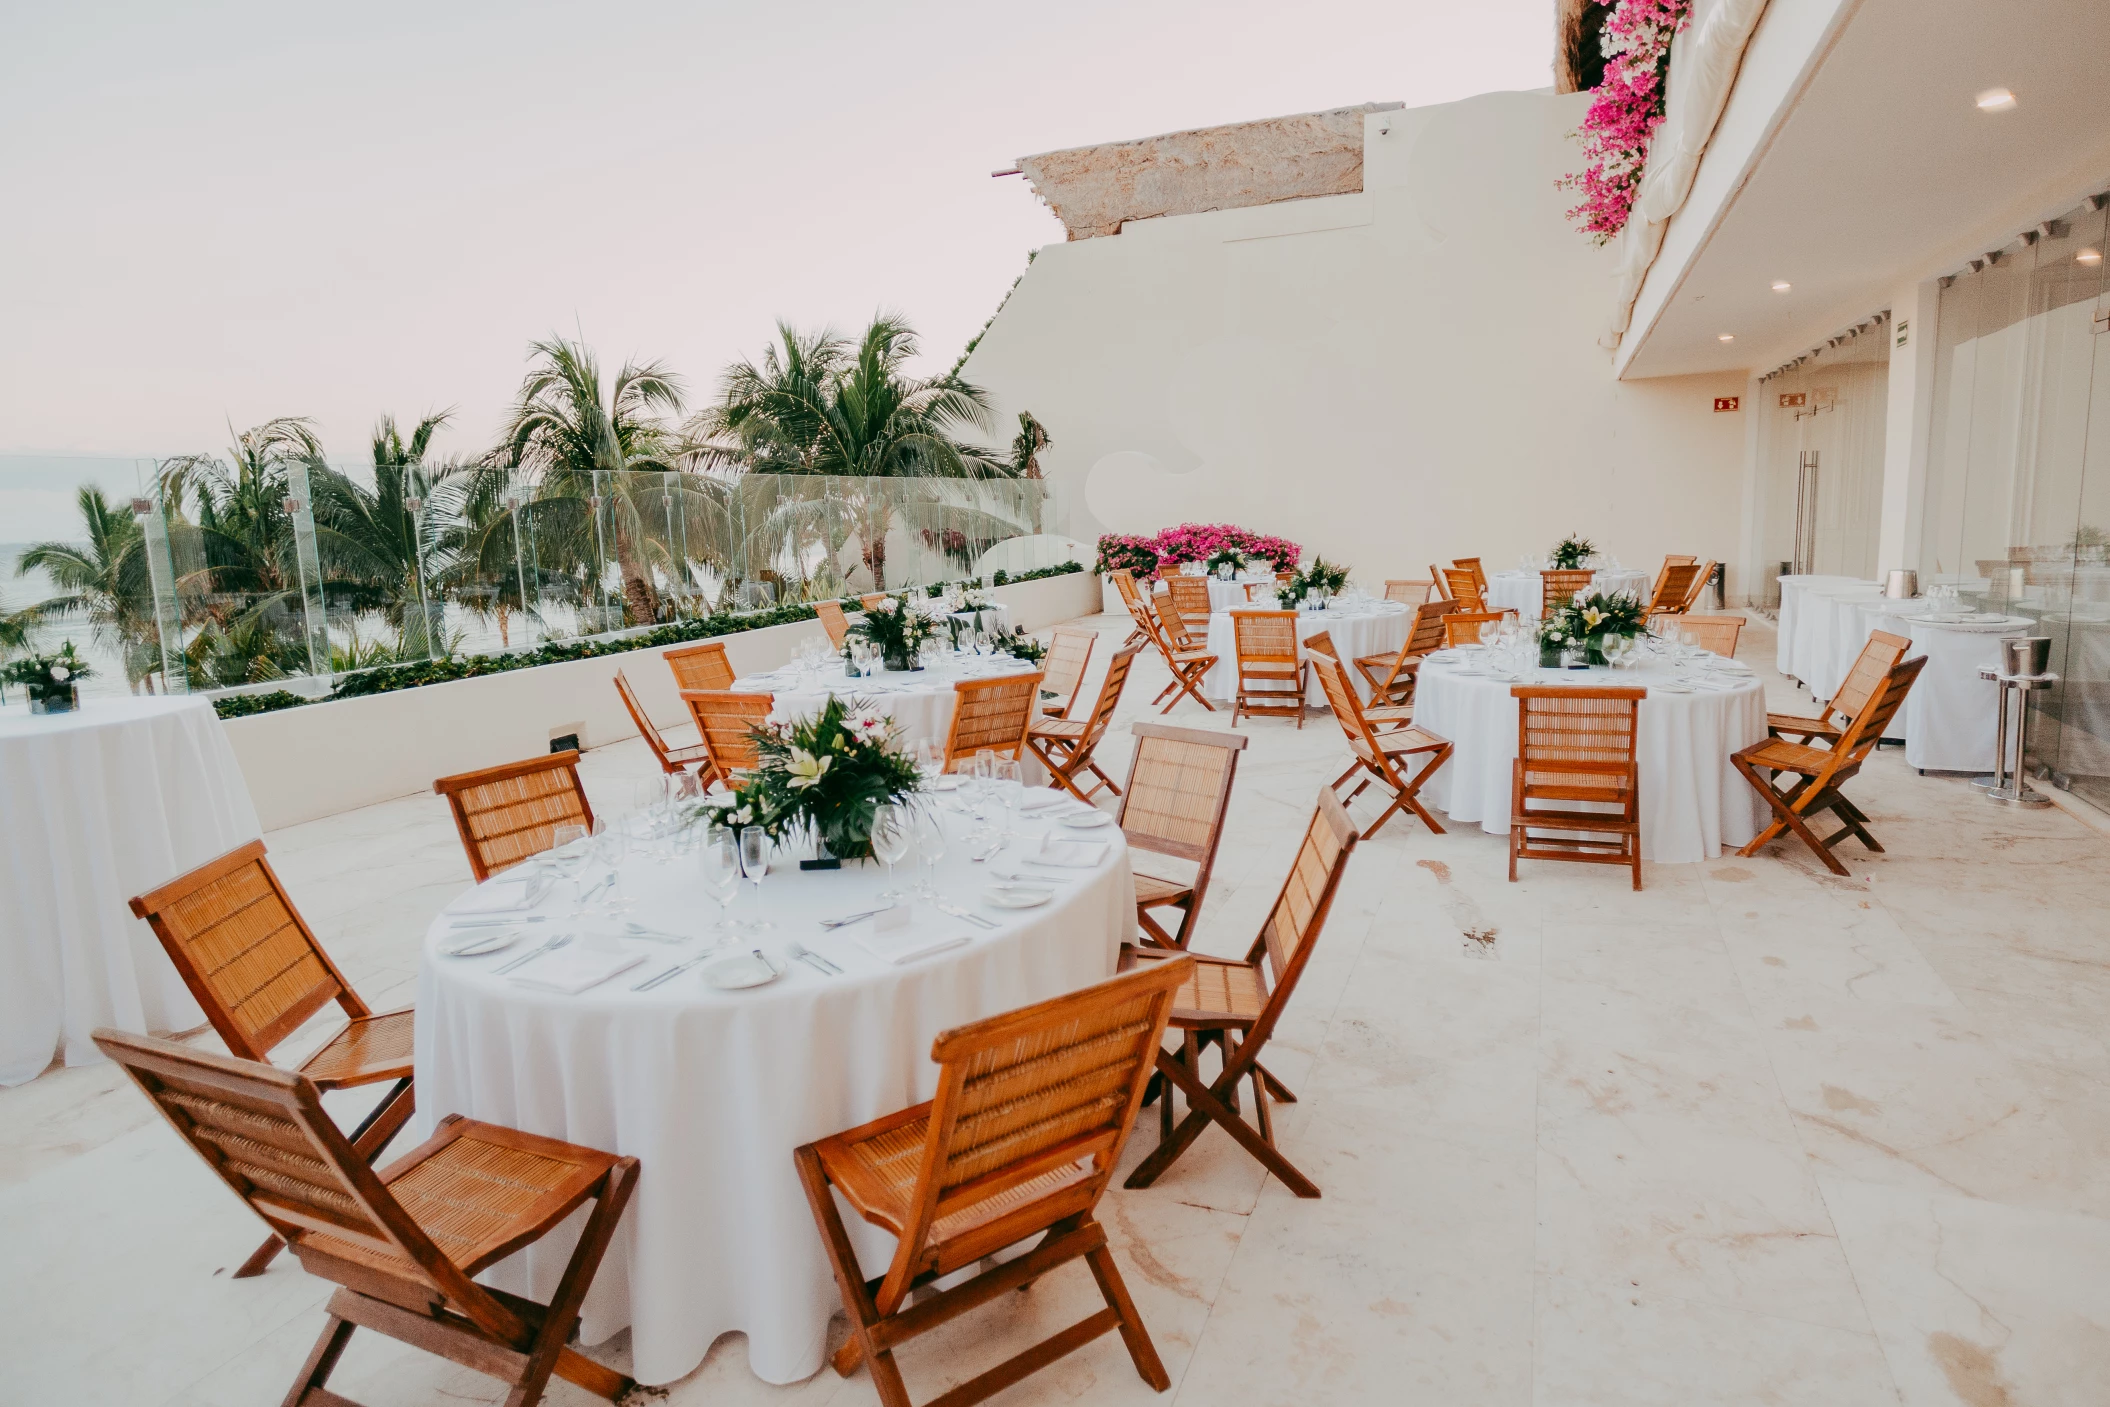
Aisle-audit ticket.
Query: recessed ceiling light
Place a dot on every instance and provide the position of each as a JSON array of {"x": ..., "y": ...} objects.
[
  {"x": 2089, "y": 256},
  {"x": 1995, "y": 100},
  {"x": 1726, "y": 337},
  {"x": 1781, "y": 285}
]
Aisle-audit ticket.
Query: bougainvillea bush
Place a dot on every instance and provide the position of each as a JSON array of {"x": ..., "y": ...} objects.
[
  {"x": 1625, "y": 112},
  {"x": 1137, "y": 554},
  {"x": 1191, "y": 542}
]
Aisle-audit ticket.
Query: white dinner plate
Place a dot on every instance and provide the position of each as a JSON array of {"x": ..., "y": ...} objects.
[
  {"x": 1017, "y": 896},
  {"x": 1085, "y": 821},
  {"x": 740, "y": 971},
  {"x": 488, "y": 943},
  {"x": 947, "y": 782}
]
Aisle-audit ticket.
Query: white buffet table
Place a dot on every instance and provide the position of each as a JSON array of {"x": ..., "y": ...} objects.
[
  {"x": 1525, "y": 592},
  {"x": 1693, "y": 801},
  {"x": 1951, "y": 714},
  {"x": 96, "y": 806},
  {"x": 1790, "y": 643},
  {"x": 712, "y": 1090},
  {"x": 1357, "y": 632}
]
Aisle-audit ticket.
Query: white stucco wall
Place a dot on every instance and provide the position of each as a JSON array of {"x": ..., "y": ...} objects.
[{"x": 1393, "y": 377}]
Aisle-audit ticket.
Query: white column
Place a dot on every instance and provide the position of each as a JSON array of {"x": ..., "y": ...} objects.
[{"x": 1907, "y": 428}]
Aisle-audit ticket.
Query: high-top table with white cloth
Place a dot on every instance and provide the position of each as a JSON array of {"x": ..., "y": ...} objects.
[
  {"x": 1693, "y": 801},
  {"x": 919, "y": 701},
  {"x": 1951, "y": 714},
  {"x": 1788, "y": 641},
  {"x": 97, "y": 805},
  {"x": 1831, "y": 631},
  {"x": 1525, "y": 592},
  {"x": 712, "y": 1090},
  {"x": 1357, "y": 632}
]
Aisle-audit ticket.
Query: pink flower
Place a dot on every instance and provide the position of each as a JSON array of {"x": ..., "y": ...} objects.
[{"x": 1625, "y": 112}]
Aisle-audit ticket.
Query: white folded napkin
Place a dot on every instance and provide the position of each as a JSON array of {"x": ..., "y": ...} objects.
[
  {"x": 1077, "y": 854},
  {"x": 1041, "y": 801},
  {"x": 905, "y": 945},
  {"x": 501, "y": 896},
  {"x": 574, "y": 969}
]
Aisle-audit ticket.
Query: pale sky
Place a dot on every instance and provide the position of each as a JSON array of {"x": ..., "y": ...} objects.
[{"x": 227, "y": 212}]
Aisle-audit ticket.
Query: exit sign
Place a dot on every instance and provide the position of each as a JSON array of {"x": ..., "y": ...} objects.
[
  {"x": 1724, "y": 403},
  {"x": 1794, "y": 400}
]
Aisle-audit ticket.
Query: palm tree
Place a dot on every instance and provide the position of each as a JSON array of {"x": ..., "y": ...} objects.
[
  {"x": 104, "y": 579},
  {"x": 244, "y": 533},
  {"x": 1026, "y": 446},
  {"x": 371, "y": 542},
  {"x": 821, "y": 406},
  {"x": 565, "y": 432}
]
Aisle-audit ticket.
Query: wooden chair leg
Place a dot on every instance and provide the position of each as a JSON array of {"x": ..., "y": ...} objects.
[
  {"x": 849, "y": 1279},
  {"x": 1275, "y": 1087},
  {"x": 1115, "y": 1291},
  {"x": 1788, "y": 815},
  {"x": 562, "y": 1315},
  {"x": 1205, "y": 1107},
  {"x": 322, "y": 1361}
]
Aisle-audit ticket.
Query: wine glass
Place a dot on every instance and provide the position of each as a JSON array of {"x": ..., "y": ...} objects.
[
  {"x": 1005, "y": 780},
  {"x": 930, "y": 848},
  {"x": 892, "y": 835},
  {"x": 754, "y": 863},
  {"x": 569, "y": 851},
  {"x": 720, "y": 865},
  {"x": 930, "y": 760},
  {"x": 612, "y": 845}
]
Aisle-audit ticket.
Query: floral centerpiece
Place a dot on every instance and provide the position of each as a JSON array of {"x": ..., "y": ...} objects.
[
  {"x": 1226, "y": 563},
  {"x": 1625, "y": 111},
  {"x": 823, "y": 775},
  {"x": 1574, "y": 552},
  {"x": 896, "y": 630},
  {"x": 1019, "y": 645},
  {"x": 1587, "y": 622},
  {"x": 1314, "y": 583},
  {"x": 49, "y": 680}
]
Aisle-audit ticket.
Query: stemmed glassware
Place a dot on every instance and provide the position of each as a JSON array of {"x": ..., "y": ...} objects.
[
  {"x": 892, "y": 835},
  {"x": 720, "y": 863},
  {"x": 754, "y": 864},
  {"x": 1005, "y": 781},
  {"x": 930, "y": 760},
  {"x": 570, "y": 848},
  {"x": 930, "y": 848}
]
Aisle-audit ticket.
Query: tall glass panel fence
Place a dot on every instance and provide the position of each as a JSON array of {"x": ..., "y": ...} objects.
[{"x": 2018, "y": 494}]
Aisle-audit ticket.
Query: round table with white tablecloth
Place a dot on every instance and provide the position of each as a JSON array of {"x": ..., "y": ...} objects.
[
  {"x": 712, "y": 1090},
  {"x": 1525, "y": 592},
  {"x": 1951, "y": 714},
  {"x": 1357, "y": 632},
  {"x": 1788, "y": 640},
  {"x": 111, "y": 800},
  {"x": 919, "y": 701},
  {"x": 1693, "y": 801},
  {"x": 1832, "y": 630},
  {"x": 1232, "y": 596}
]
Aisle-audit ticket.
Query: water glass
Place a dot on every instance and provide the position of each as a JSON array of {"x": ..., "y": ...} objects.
[
  {"x": 1006, "y": 781},
  {"x": 719, "y": 862},
  {"x": 754, "y": 863},
  {"x": 892, "y": 835},
  {"x": 930, "y": 848}
]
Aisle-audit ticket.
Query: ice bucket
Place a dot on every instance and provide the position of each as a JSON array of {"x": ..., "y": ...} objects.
[
  {"x": 1903, "y": 584},
  {"x": 2025, "y": 655}
]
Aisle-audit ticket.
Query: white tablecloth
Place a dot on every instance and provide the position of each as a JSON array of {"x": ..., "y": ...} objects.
[
  {"x": 97, "y": 806},
  {"x": 1231, "y": 595},
  {"x": 1693, "y": 801},
  {"x": 920, "y": 701},
  {"x": 1834, "y": 625},
  {"x": 1525, "y": 592},
  {"x": 712, "y": 1090},
  {"x": 1788, "y": 643},
  {"x": 1356, "y": 634},
  {"x": 1951, "y": 714}
]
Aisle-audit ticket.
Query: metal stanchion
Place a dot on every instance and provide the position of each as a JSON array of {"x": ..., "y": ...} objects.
[{"x": 2021, "y": 670}]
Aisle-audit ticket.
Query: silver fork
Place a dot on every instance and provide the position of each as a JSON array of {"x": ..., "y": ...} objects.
[
  {"x": 550, "y": 947},
  {"x": 801, "y": 953}
]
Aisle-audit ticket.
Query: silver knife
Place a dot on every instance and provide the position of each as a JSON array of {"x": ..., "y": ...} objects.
[
  {"x": 970, "y": 915},
  {"x": 675, "y": 971},
  {"x": 495, "y": 922},
  {"x": 852, "y": 918},
  {"x": 549, "y": 945}
]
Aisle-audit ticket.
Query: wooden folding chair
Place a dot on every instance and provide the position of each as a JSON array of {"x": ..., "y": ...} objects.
[
  {"x": 1069, "y": 655},
  {"x": 1380, "y": 757},
  {"x": 1268, "y": 660},
  {"x": 1392, "y": 677},
  {"x": 1184, "y": 633},
  {"x": 1067, "y": 746},
  {"x": 1820, "y": 773},
  {"x": 701, "y": 666},
  {"x": 1237, "y": 1005},
  {"x": 1576, "y": 746},
  {"x": 1464, "y": 627},
  {"x": 1381, "y": 716},
  {"x": 1464, "y": 591},
  {"x": 671, "y": 759},
  {"x": 1472, "y": 564},
  {"x": 255, "y": 969},
  {"x": 1179, "y": 786},
  {"x": 871, "y": 599},
  {"x": 404, "y": 1243},
  {"x": 1699, "y": 584},
  {"x": 991, "y": 715},
  {"x": 1031, "y": 1113},
  {"x": 1190, "y": 597},
  {"x": 1673, "y": 585},
  {"x": 1132, "y": 597},
  {"x": 830, "y": 614},
  {"x": 726, "y": 721},
  {"x": 510, "y": 813},
  {"x": 1188, "y": 667},
  {"x": 1558, "y": 585},
  {"x": 1717, "y": 634},
  {"x": 1408, "y": 590},
  {"x": 1678, "y": 559},
  {"x": 1879, "y": 655}
]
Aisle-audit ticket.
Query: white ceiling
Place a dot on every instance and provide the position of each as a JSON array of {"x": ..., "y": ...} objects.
[{"x": 1886, "y": 173}]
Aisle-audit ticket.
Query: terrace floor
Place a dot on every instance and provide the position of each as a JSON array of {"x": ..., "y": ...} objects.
[{"x": 1753, "y": 1135}]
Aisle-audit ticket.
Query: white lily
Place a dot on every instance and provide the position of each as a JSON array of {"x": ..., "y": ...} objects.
[{"x": 807, "y": 770}]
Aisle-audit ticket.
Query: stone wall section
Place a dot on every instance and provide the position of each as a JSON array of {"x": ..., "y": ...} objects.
[{"x": 1095, "y": 190}]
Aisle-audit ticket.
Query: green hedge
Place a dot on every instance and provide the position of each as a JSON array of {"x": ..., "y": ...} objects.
[{"x": 445, "y": 671}]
